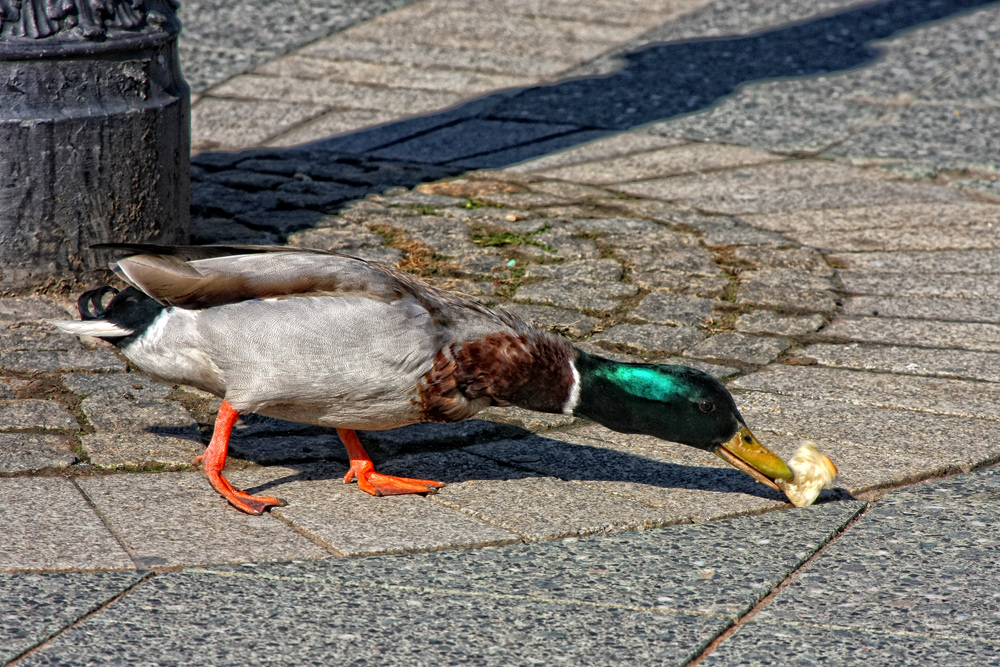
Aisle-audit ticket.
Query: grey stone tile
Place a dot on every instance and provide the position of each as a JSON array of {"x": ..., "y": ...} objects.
[
  {"x": 666, "y": 308},
  {"x": 766, "y": 322},
  {"x": 116, "y": 386},
  {"x": 468, "y": 55},
  {"x": 787, "y": 288},
  {"x": 652, "y": 338},
  {"x": 469, "y": 138},
  {"x": 920, "y": 333},
  {"x": 909, "y": 360},
  {"x": 169, "y": 519},
  {"x": 34, "y": 413},
  {"x": 237, "y": 124},
  {"x": 331, "y": 124},
  {"x": 741, "y": 348},
  {"x": 971, "y": 237},
  {"x": 559, "y": 319},
  {"x": 270, "y": 449},
  {"x": 34, "y": 607},
  {"x": 324, "y": 94},
  {"x": 765, "y": 643},
  {"x": 597, "y": 270},
  {"x": 936, "y": 261},
  {"x": 27, "y": 308},
  {"x": 26, "y": 452},
  {"x": 32, "y": 335},
  {"x": 314, "y": 620},
  {"x": 61, "y": 360},
  {"x": 48, "y": 525},
  {"x": 982, "y": 186},
  {"x": 574, "y": 293},
  {"x": 386, "y": 445},
  {"x": 809, "y": 260},
  {"x": 936, "y": 395},
  {"x": 353, "y": 523},
  {"x": 681, "y": 283},
  {"x": 527, "y": 419},
  {"x": 661, "y": 162},
  {"x": 918, "y": 562},
  {"x": 920, "y": 284},
  {"x": 467, "y": 82},
  {"x": 872, "y": 446},
  {"x": 623, "y": 143},
  {"x": 140, "y": 432},
  {"x": 681, "y": 490},
  {"x": 891, "y": 215},
  {"x": 948, "y": 136},
  {"x": 135, "y": 449}
]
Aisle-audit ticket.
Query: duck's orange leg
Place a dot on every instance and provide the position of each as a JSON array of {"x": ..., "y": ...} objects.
[
  {"x": 214, "y": 460},
  {"x": 373, "y": 482}
]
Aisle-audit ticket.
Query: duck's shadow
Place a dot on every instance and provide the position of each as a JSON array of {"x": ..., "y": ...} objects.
[{"x": 454, "y": 457}]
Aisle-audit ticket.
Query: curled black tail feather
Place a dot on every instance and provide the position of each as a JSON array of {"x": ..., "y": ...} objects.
[{"x": 91, "y": 304}]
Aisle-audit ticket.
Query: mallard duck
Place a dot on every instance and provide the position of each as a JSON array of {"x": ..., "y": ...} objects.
[{"x": 325, "y": 338}]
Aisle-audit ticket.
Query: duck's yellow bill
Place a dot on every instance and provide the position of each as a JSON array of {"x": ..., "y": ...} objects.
[{"x": 744, "y": 452}]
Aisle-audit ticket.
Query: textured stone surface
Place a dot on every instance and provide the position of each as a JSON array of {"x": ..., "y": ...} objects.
[
  {"x": 767, "y": 322},
  {"x": 908, "y": 360},
  {"x": 925, "y": 308},
  {"x": 48, "y": 525},
  {"x": 576, "y": 293},
  {"x": 170, "y": 519},
  {"x": 35, "y": 414},
  {"x": 740, "y": 348},
  {"x": 613, "y": 146},
  {"x": 61, "y": 360},
  {"x": 666, "y": 308},
  {"x": 559, "y": 319},
  {"x": 352, "y": 523},
  {"x": 960, "y": 285},
  {"x": 921, "y": 333},
  {"x": 35, "y": 607},
  {"x": 26, "y": 452},
  {"x": 650, "y": 337}
]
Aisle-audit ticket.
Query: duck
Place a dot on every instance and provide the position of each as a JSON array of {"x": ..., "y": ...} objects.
[{"x": 329, "y": 339}]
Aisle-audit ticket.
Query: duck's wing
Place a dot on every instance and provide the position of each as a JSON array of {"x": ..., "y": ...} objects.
[{"x": 198, "y": 277}]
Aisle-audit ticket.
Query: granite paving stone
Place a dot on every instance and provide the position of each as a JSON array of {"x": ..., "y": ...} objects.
[
  {"x": 330, "y": 124},
  {"x": 984, "y": 337},
  {"x": 650, "y": 338},
  {"x": 576, "y": 293},
  {"x": 661, "y": 162},
  {"x": 138, "y": 449},
  {"x": 527, "y": 419},
  {"x": 890, "y": 215},
  {"x": 799, "y": 259},
  {"x": 34, "y": 607},
  {"x": 116, "y": 386},
  {"x": 296, "y": 447},
  {"x": 237, "y": 124},
  {"x": 874, "y": 446},
  {"x": 48, "y": 525},
  {"x": 959, "y": 285},
  {"x": 517, "y": 604},
  {"x": 973, "y": 237},
  {"x": 767, "y": 322},
  {"x": 26, "y": 452},
  {"x": 908, "y": 360},
  {"x": 907, "y": 392},
  {"x": 936, "y": 261},
  {"x": 666, "y": 308},
  {"x": 175, "y": 518},
  {"x": 596, "y": 270},
  {"x": 559, "y": 319},
  {"x": 928, "y": 579},
  {"x": 679, "y": 282},
  {"x": 61, "y": 360},
  {"x": 26, "y": 308},
  {"x": 34, "y": 413},
  {"x": 924, "y": 308},
  {"x": 787, "y": 288},
  {"x": 615, "y": 145},
  {"x": 683, "y": 493},
  {"x": 351, "y": 522},
  {"x": 35, "y": 336},
  {"x": 738, "y": 347}
]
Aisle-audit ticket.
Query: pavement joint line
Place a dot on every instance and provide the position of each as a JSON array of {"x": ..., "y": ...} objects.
[
  {"x": 98, "y": 608},
  {"x": 460, "y": 593},
  {"x": 878, "y": 631},
  {"x": 104, "y": 520},
  {"x": 782, "y": 585}
]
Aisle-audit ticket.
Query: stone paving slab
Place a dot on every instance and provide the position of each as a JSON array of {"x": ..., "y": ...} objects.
[
  {"x": 891, "y": 215},
  {"x": 950, "y": 285},
  {"x": 908, "y": 360},
  {"x": 27, "y": 452},
  {"x": 908, "y": 392},
  {"x": 352, "y": 523},
  {"x": 649, "y": 597},
  {"x": 924, "y": 308},
  {"x": 48, "y": 525},
  {"x": 916, "y": 568},
  {"x": 983, "y": 337},
  {"x": 874, "y": 447},
  {"x": 35, "y": 607},
  {"x": 171, "y": 519},
  {"x": 34, "y": 413}
]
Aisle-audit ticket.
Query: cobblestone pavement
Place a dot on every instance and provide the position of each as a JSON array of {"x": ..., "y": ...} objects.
[{"x": 826, "y": 245}]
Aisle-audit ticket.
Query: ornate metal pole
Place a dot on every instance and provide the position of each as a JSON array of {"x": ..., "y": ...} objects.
[{"x": 94, "y": 134}]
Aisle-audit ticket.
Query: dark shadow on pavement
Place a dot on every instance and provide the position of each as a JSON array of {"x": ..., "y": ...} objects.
[{"x": 278, "y": 190}]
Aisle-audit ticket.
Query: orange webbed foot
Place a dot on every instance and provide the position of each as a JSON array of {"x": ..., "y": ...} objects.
[
  {"x": 242, "y": 500},
  {"x": 378, "y": 484}
]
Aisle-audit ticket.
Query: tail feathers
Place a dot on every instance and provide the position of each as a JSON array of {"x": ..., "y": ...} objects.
[{"x": 96, "y": 328}]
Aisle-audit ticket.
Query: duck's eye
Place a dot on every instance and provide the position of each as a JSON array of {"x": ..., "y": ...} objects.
[{"x": 706, "y": 406}]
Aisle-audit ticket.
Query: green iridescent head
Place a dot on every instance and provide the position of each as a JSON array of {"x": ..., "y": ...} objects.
[{"x": 675, "y": 403}]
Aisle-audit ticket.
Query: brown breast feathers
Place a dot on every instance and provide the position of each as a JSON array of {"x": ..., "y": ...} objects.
[{"x": 529, "y": 370}]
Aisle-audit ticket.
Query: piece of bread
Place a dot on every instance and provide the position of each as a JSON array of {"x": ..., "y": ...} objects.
[{"x": 813, "y": 471}]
